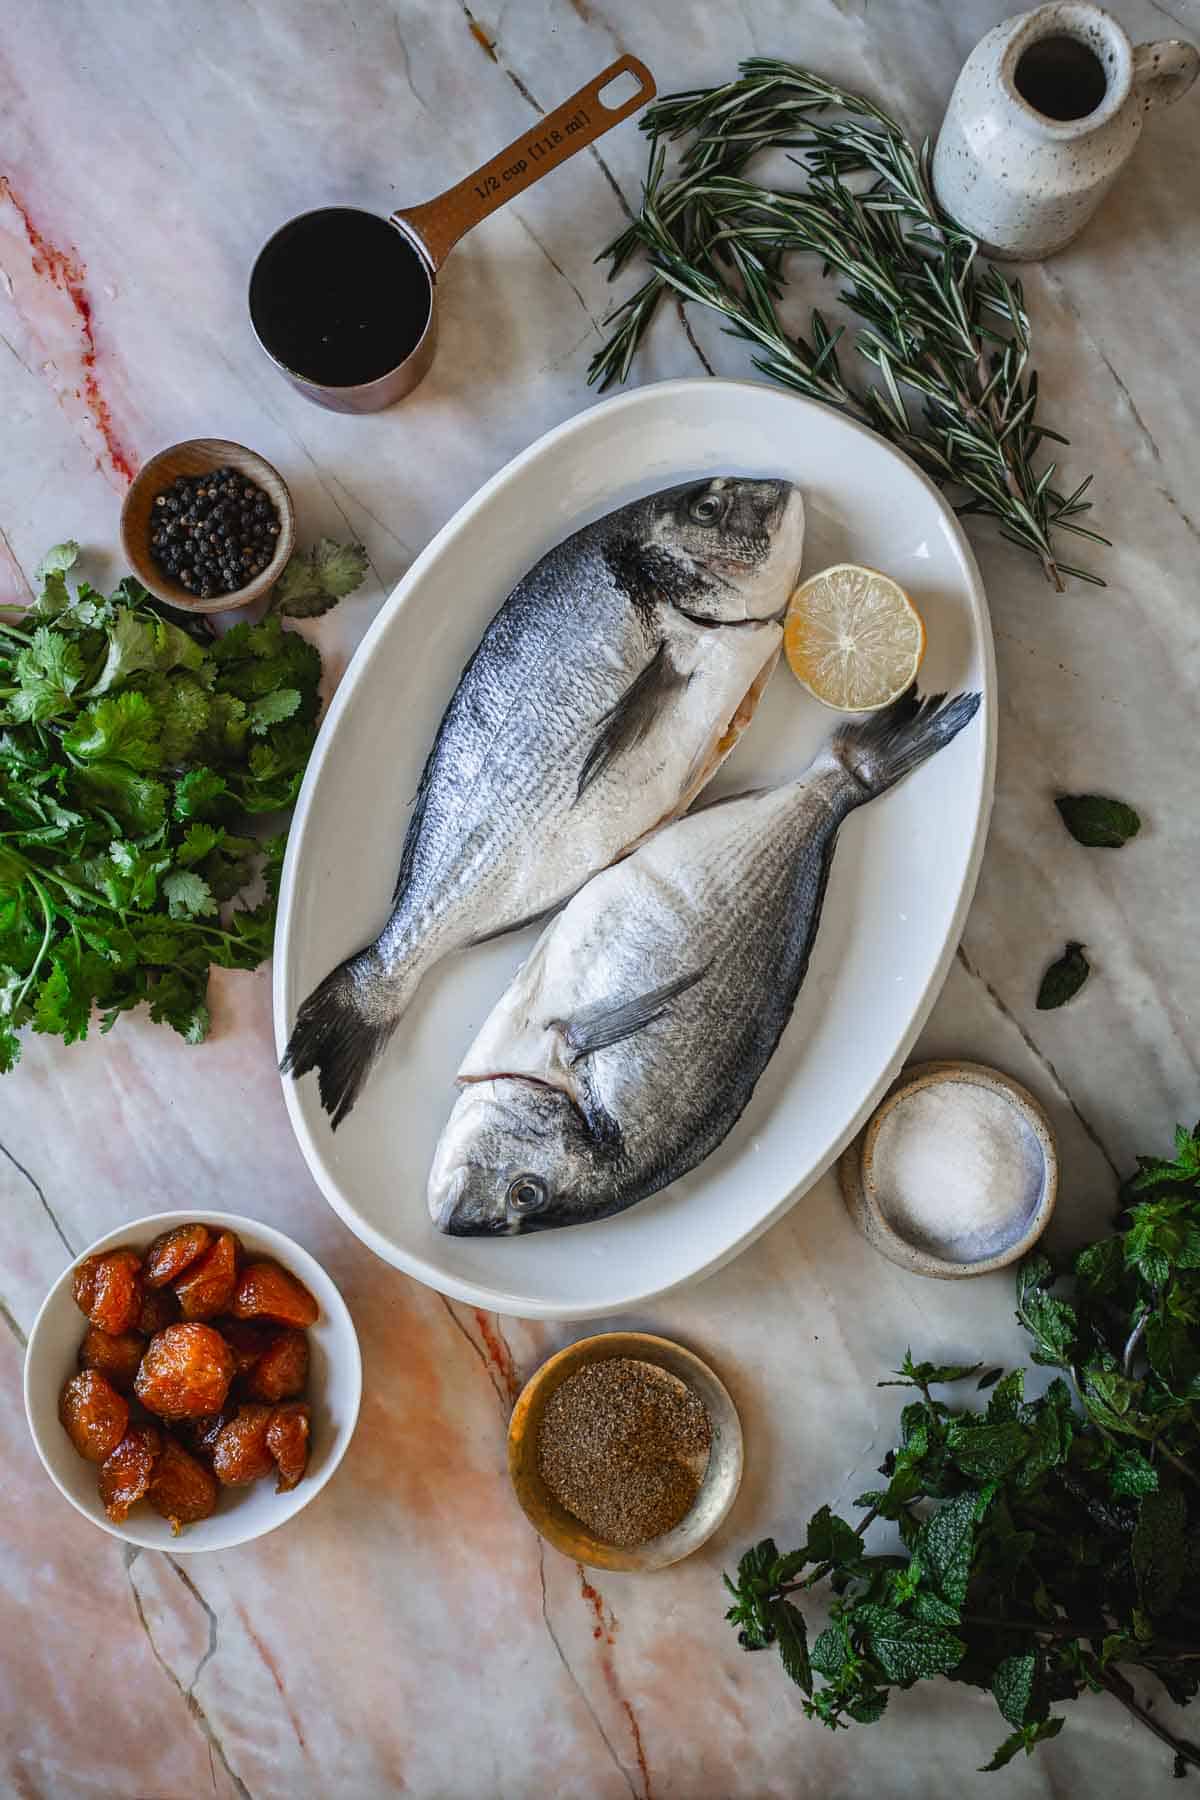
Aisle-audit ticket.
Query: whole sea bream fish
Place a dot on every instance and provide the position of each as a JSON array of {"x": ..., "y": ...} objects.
[
  {"x": 631, "y": 1039},
  {"x": 605, "y": 693}
]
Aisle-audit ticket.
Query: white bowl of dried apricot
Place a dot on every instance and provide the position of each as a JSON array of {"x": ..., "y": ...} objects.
[{"x": 192, "y": 1381}]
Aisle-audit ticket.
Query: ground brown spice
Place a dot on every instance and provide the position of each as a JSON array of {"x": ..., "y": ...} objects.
[{"x": 624, "y": 1445}]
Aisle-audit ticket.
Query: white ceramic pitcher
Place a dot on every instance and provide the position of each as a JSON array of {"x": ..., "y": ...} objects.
[{"x": 1046, "y": 111}]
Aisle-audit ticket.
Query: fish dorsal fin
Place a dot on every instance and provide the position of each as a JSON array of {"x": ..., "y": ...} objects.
[
  {"x": 607, "y": 1022},
  {"x": 629, "y": 719}
]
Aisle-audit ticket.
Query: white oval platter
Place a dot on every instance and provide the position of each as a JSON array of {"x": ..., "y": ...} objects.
[{"x": 902, "y": 878}]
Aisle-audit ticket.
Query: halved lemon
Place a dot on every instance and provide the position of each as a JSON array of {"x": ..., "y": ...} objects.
[{"x": 853, "y": 637}]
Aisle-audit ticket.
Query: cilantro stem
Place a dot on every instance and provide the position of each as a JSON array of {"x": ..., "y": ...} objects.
[{"x": 48, "y": 915}]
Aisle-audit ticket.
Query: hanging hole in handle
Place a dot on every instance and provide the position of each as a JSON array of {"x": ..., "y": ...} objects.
[{"x": 619, "y": 91}]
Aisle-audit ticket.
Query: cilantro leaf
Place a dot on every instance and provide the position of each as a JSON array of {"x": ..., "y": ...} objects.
[
  {"x": 124, "y": 729},
  {"x": 188, "y": 895},
  {"x": 272, "y": 709},
  {"x": 47, "y": 673},
  {"x": 317, "y": 579}
]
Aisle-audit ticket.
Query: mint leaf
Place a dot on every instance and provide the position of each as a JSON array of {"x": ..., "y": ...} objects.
[
  {"x": 1012, "y": 1686},
  {"x": 829, "y": 1652},
  {"x": 944, "y": 1544},
  {"x": 1063, "y": 979},
  {"x": 1026, "y": 1739},
  {"x": 792, "y": 1639},
  {"x": 1097, "y": 822},
  {"x": 830, "y": 1539},
  {"x": 317, "y": 579},
  {"x": 1130, "y": 1474},
  {"x": 904, "y": 1648}
]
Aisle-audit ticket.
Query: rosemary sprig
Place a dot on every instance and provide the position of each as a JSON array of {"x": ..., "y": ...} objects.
[{"x": 938, "y": 325}]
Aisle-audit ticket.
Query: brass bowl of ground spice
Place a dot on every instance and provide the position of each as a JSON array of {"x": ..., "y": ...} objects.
[{"x": 625, "y": 1451}]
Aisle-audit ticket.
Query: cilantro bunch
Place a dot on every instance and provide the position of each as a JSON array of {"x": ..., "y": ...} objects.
[
  {"x": 135, "y": 755},
  {"x": 1045, "y": 1546}
]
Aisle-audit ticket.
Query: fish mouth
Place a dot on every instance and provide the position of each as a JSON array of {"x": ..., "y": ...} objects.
[{"x": 491, "y": 1146}]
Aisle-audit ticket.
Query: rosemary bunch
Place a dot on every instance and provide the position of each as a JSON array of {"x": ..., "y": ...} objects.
[{"x": 938, "y": 325}]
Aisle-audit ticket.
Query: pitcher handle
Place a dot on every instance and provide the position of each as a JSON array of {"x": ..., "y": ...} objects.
[{"x": 1163, "y": 72}]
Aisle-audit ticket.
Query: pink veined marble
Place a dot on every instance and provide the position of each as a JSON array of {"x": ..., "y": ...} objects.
[{"x": 407, "y": 1634}]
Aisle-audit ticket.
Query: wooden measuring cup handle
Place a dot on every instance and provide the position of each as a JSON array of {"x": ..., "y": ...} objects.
[{"x": 438, "y": 224}]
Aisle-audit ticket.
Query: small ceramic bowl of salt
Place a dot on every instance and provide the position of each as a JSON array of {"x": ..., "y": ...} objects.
[{"x": 956, "y": 1172}]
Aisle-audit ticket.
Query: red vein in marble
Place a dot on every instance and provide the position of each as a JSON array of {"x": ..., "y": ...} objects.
[
  {"x": 63, "y": 272},
  {"x": 605, "y": 1631},
  {"x": 603, "y": 1628},
  {"x": 498, "y": 1354},
  {"x": 269, "y": 1664}
]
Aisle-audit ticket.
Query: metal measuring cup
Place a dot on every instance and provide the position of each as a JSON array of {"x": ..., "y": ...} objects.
[{"x": 356, "y": 263}]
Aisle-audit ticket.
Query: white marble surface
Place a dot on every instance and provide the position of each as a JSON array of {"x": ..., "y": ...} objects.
[{"x": 408, "y": 1633}]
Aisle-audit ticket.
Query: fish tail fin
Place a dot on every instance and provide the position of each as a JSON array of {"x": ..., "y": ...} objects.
[
  {"x": 882, "y": 749},
  {"x": 344, "y": 1025}
]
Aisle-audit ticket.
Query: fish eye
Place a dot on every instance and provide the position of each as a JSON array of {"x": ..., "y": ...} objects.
[
  {"x": 706, "y": 509},
  {"x": 527, "y": 1194}
]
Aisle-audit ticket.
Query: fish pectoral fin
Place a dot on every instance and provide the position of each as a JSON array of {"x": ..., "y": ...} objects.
[
  {"x": 627, "y": 722},
  {"x": 607, "y": 1022}
]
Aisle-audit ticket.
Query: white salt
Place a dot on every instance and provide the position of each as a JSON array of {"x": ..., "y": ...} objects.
[{"x": 957, "y": 1171}]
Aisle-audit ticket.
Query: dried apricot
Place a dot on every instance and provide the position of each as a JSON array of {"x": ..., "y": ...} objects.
[
  {"x": 288, "y": 1442},
  {"x": 93, "y": 1414},
  {"x": 160, "y": 1308},
  {"x": 171, "y": 1252},
  {"x": 181, "y": 1489},
  {"x": 282, "y": 1369},
  {"x": 108, "y": 1288},
  {"x": 126, "y": 1471},
  {"x": 116, "y": 1358},
  {"x": 240, "y": 1454},
  {"x": 202, "y": 1433},
  {"x": 185, "y": 1372},
  {"x": 264, "y": 1290},
  {"x": 207, "y": 1286},
  {"x": 247, "y": 1338}
]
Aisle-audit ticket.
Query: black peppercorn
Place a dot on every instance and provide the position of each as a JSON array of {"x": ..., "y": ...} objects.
[{"x": 213, "y": 533}]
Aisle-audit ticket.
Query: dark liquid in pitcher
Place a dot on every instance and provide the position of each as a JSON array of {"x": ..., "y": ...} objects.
[
  {"x": 340, "y": 296},
  {"x": 1061, "y": 77}
]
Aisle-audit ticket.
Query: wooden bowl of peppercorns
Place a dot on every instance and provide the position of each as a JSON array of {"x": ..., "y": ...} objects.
[{"x": 208, "y": 525}]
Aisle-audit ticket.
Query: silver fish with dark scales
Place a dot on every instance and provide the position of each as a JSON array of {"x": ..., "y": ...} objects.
[
  {"x": 629, "y": 1043},
  {"x": 606, "y": 692}
]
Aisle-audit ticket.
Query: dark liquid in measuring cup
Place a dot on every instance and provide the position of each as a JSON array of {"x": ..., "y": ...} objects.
[
  {"x": 1062, "y": 78},
  {"x": 340, "y": 297}
]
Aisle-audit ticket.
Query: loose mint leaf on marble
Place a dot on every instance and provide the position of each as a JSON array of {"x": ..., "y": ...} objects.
[
  {"x": 1098, "y": 822},
  {"x": 317, "y": 579},
  {"x": 1063, "y": 979}
]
